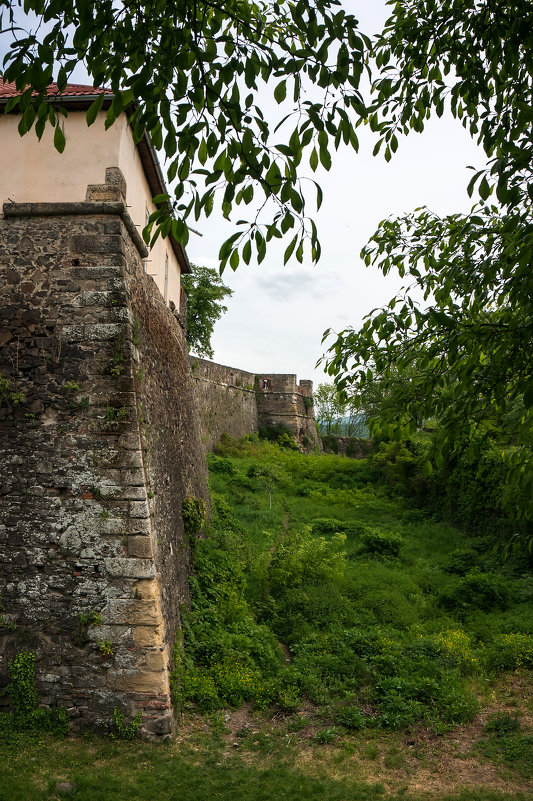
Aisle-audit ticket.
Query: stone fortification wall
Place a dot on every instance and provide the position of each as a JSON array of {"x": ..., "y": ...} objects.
[
  {"x": 99, "y": 444},
  {"x": 237, "y": 402},
  {"x": 281, "y": 401},
  {"x": 226, "y": 400}
]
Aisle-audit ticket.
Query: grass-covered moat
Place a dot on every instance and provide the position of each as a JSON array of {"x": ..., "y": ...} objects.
[{"x": 342, "y": 644}]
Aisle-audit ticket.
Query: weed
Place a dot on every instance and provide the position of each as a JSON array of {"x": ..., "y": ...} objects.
[
  {"x": 116, "y": 364},
  {"x": 194, "y": 513},
  {"x": 115, "y": 416},
  {"x": 10, "y": 397},
  {"x": 318, "y": 570},
  {"x": 71, "y": 386},
  {"x": 81, "y": 403},
  {"x": 298, "y": 723},
  {"x": 136, "y": 332},
  {"x": 26, "y": 715},
  {"x": 502, "y": 723},
  {"x": 351, "y": 718},
  {"x": 84, "y": 620},
  {"x": 327, "y": 736},
  {"x": 506, "y": 745},
  {"x": 105, "y": 647},
  {"x": 371, "y": 751},
  {"x": 124, "y": 731}
]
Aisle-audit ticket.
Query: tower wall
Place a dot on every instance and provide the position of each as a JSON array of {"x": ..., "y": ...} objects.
[{"x": 99, "y": 445}]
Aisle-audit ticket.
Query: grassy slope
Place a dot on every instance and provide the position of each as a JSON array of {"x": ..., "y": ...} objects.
[{"x": 301, "y": 749}]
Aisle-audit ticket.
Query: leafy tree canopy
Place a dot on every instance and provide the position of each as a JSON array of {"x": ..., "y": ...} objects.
[
  {"x": 189, "y": 74},
  {"x": 205, "y": 293},
  {"x": 329, "y": 407},
  {"x": 467, "y": 348}
]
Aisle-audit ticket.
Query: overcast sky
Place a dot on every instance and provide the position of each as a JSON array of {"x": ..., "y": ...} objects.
[{"x": 277, "y": 315}]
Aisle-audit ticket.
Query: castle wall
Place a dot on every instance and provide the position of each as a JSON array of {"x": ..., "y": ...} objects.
[
  {"x": 94, "y": 556},
  {"x": 226, "y": 400},
  {"x": 236, "y": 402}
]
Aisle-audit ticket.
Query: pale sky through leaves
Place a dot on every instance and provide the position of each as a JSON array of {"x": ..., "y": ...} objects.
[{"x": 277, "y": 315}]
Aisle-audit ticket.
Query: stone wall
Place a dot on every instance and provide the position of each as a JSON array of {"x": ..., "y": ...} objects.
[
  {"x": 353, "y": 447},
  {"x": 99, "y": 444},
  {"x": 225, "y": 399},
  {"x": 236, "y": 402}
]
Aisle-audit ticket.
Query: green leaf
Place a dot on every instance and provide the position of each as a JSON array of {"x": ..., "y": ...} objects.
[
  {"x": 290, "y": 249},
  {"x": 94, "y": 109},
  {"x": 280, "y": 92},
  {"x": 484, "y": 188},
  {"x": 59, "y": 139},
  {"x": 202, "y": 152}
]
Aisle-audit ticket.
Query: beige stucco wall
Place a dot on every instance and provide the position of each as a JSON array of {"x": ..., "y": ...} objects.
[
  {"x": 34, "y": 172},
  {"x": 140, "y": 200}
]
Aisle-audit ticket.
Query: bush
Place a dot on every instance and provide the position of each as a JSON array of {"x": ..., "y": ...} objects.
[
  {"x": 274, "y": 433},
  {"x": 397, "y": 463},
  {"x": 476, "y": 591},
  {"x": 378, "y": 543},
  {"x": 325, "y": 525},
  {"x": 301, "y": 558},
  {"x": 233, "y": 446},
  {"x": 199, "y": 689},
  {"x": 456, "y": 645},
  {"x": 330, "y": 443},
  {"x": 509, "y": 652},
  {"x": 218, "y": 464},
  {"x": 461, "y": 561},
  {"x": 406, "y": 700},
  {"x": 287, "y": 441},
  {"x": 241, "y": 481}
]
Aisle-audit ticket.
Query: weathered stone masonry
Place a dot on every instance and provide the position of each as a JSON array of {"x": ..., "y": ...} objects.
[
  {"x": 94, "y": 464},
  {"x": 235, "y": 402}
]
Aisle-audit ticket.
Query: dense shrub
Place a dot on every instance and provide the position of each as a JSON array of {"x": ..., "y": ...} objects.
[
  {"x": 286, "y": 440},
  {"x": 477, "y": 591},
  {"x": 327, "y": 525},
  {"x": 273, "y": 433},
  {"x": 228, "y": 446},
  {"x": 218, "y": 464},
  {"x": 378, "y": 543},
  {"x": 462, "y": 561},
  {"x": 508, "y": 652},
  {"x": 300, "y": 558}
]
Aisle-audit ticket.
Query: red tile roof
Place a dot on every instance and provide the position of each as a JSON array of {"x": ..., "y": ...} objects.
[{"x": 71, "y": 90}]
